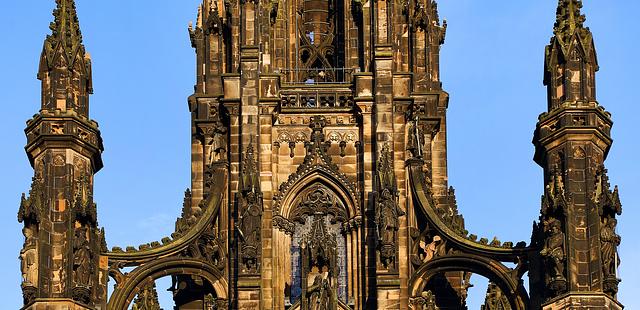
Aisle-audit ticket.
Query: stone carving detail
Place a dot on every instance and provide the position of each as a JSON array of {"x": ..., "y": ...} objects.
[
  {"x": 416, "y": 141},
  {"x": 387, "y": 210},
  {"x": 319, "y": 200},
  {"x": 81, "y": 258},
  {"x": 316, "y": 160},
  {"x": 495, "y": 300},
  {"x": 147, "y": 299},
  {"x": 250, "y": 208},
  {"x": 554, "y": 207},
  {"x": 29, "y": 257},
  {"x": 214, "y": 22},
  {"x": 427, "y": 248},
  {"x": 420, "y": 19},
  {"x": 85, "y": 210},
  {"x": 610, "y": 241},
  {"x": 554, "y": 201},
  {"x": 218, "y": 150},
  {"x": 609, "y": 206},
  {"x": 319, "y": 262},
  {"x": 30, "y": 213},
  {"x": 83, "y": 266},
  {"x": 426, "y": 301},
  {"x": 450, "y": 215},
  {"x": 213, "y": 303},
  {"x": 554, "y": 255}
]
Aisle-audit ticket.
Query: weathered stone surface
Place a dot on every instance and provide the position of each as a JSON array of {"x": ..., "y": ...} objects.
[{"x": 319, "y": 173}]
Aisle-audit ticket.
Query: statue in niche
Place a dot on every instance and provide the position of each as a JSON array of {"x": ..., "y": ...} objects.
[
  {"x": 249, "y": 229},
  {"x": 610, "y": 242},
  {"x": 81, "y": 258},
  {"x": 553, "y": 250},
  {"x": 218, "y": 143},
  {"x": 319, "y": 267},
  {"x": 29, "y": 258},
  {"x": 416, "y": 139},
  {"x": 388, "y": 224},
  {"x": 388, "y": 217},
  {"x": 319, "y": 293}
]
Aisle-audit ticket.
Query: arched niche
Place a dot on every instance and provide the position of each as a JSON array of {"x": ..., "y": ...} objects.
[
  {"x": 317, "y": 207},
  {"x": 127, "y": 289},
  {"x": 286, "y": 201}
]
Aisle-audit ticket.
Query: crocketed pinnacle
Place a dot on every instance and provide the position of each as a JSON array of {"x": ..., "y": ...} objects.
[
  {"x": 569, "y": 19},
  {"x": 65, "y": 30}
]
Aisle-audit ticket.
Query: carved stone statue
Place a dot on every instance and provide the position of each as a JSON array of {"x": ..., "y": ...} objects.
[
  {"x": 610, "y": 242},
  {"x": 432, "y": 249},
  {"x": 319, "y": 294},
  {"x": 249, "y": 227},
  {"x": 81, "y": 258},
  {"x": 553, "y": 250},
  {"x": 388, "y": 224},
  {"x": 388, "y": 217},
  {"x": 29, "y": 259},
  {"x": 426, "y": 301},
  {"x": 416, "y": 139},
  {"x": 219, "y": 143}
]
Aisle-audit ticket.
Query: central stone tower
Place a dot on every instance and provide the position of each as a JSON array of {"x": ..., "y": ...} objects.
[{"x": 319, "y": 173}]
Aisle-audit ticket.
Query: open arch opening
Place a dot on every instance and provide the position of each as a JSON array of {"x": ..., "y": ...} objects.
[
  {"x": 425, "y": 279},
  {"x": 143, "y": 276}
]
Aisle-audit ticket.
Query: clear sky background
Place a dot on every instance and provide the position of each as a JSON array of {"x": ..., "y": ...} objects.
[{"x": 144, "y": 69}]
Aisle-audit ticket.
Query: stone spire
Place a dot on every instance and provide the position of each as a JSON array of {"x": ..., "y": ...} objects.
[
  {"x": 65, "y": 67},
  {"x": 571, "y": 61},
  {"x": 569, "y": 19},
  {"x": 61, "y": 263},
  {"x": 572, "y": 142},
  {"x": 65, "y": 29}
]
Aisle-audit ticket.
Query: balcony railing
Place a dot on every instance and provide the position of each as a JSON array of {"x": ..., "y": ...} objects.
[
  {"x": 317, "y": 76},
  {"x": 317, "y": 100}
]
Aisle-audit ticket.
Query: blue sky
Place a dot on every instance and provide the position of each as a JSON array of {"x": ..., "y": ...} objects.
[{"x": 144, "y": 70}]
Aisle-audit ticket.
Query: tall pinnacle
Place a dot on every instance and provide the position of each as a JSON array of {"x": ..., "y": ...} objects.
[
  {"x": 65, "y": 30},
  {"x": 569, "y": 19},
  {"x": 65, "y": 67}
]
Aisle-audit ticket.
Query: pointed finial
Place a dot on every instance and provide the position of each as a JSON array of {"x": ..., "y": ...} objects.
[
  {"x": 568, "y": 18},
  {"x": 199, "y": 18},
  {"x": 65, "y": 28}
]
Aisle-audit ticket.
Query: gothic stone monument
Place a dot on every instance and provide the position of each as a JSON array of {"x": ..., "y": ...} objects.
[{"x": 319, "y": 173}]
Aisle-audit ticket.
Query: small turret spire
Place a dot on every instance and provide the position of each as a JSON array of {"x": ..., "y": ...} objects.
[
  {"x": 568, "y": 18},
  {"x": 571, "y": 61},
  {"x": 65, "y": 30},
  {"x": 65, "y": 66}
]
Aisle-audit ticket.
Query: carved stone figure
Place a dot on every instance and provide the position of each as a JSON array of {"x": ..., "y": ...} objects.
[
  {"x": 426, "y": 301},
  {"x": 553, "y": 250},
  {"x": 218, "y": 143},
  {"x": 610, "y": 242},
  {"x": 388, "y": 225},
  {"x": 212, "y": 251},
  {"x": 249, "y": 229},
  {"x": 29, "y": 259},
  {"x": 319, "y": 294},
  {"x": 147, "y": 299},
  {"x": 81, "y": 258},
  {"x": 388, "y": 217},
  {"x": 416, "y": 139},
  {"x": 432, "y": 249}
]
